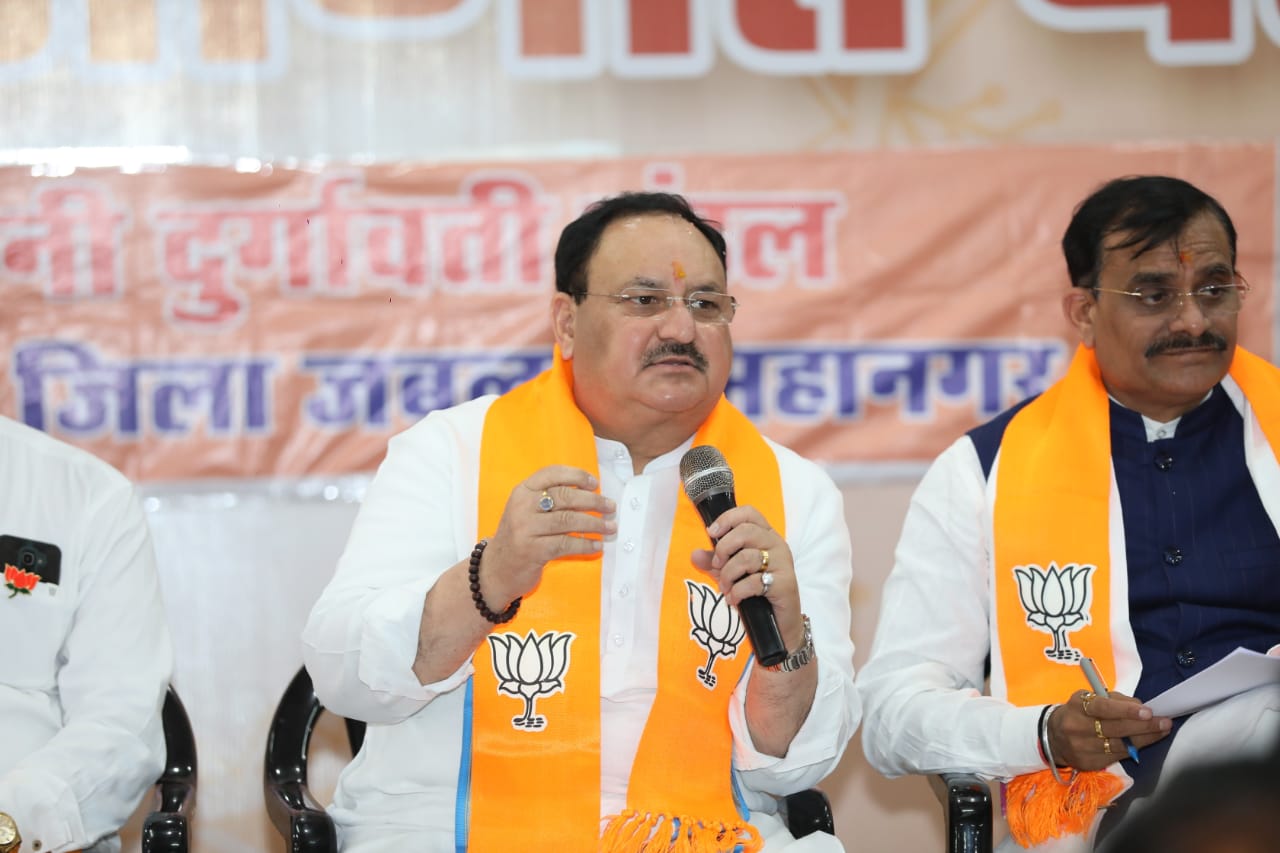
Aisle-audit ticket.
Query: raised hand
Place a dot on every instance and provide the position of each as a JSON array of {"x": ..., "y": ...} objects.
[
  {"x": 750, "y": 558},
  {"x": 555, "y": 513}
]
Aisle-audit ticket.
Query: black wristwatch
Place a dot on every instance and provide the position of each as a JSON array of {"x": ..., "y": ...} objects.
[{"x": 800, "y": 656}]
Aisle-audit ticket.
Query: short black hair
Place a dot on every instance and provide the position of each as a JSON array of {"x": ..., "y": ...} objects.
[
  {"x": 1151, "y": 209},
  {"x": 580, "y": 237}
]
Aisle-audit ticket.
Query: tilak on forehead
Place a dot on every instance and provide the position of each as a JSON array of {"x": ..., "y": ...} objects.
[{"x": 677, "y": 270}]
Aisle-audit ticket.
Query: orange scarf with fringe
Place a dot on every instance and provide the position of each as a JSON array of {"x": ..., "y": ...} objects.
[
  {"x": 1053, "y": 567},
  {"x": 535, "y": 715}
]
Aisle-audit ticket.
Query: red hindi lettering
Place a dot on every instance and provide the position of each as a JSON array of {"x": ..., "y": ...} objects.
[
  {"x": 875, "y": 24},
  {"x": 774, "y": 25},
  {"x": 660, "y": 27},
  {"x": 70, "y": 243},
  {"x": 195, "y": 264},
  {"x": 493, "y": 237},
  {"x": 1188, "y": 19},
  {"x": 551, "y": 28}
]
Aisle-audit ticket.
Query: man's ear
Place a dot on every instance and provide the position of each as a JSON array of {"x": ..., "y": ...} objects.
[
  {"x": 1078, "y": 306},
  {"x": 564, "y": 312}
]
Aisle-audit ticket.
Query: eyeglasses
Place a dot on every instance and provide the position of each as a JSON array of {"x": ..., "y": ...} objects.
[
  {"x": 707, "y": 306},
  {"x": 1213, "y": 300}
]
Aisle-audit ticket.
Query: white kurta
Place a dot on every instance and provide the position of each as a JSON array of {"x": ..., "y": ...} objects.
[
  {"x": 922, "y": 686},
  {"x": 87, "y": 660},
  {"x": 418, "y": 519}
]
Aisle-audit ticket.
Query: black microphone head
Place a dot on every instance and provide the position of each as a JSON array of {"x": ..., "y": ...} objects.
[{"x": 704, "y": 471}]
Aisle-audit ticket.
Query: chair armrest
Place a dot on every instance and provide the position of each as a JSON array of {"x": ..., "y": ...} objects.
[
  {"x": 807, "y": 812},
  {"x": 167, "y": 829},
  {"x": 966, "y": 802},
  {"x": 300, "y": 819}
]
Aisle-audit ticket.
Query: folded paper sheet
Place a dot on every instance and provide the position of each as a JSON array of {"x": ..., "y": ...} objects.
[{"x": 1239, "y": 671}]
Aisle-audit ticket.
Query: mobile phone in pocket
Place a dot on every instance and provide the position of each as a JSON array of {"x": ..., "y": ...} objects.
[{"x": 32, "y": 557}]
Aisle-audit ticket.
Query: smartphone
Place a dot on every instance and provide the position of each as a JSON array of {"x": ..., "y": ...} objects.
[{"x": 42, "y": 559}]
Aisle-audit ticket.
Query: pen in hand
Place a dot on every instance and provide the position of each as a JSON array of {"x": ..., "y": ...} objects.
[{"x": 1095, "y": 684}]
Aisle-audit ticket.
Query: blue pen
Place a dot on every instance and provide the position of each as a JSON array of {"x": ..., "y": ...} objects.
[{"x": 1095, "y": 682}]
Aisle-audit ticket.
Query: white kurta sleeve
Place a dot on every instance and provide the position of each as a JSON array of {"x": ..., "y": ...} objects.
[
  {"x": 819, "y": 540},
  {"x": 922, "y": 686},
  {"x": 361, "y": 638},
  {"x": 85, "y": 781}
]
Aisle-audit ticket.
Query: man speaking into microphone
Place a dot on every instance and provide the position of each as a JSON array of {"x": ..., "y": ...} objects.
[{"x": 541, "y": 631}]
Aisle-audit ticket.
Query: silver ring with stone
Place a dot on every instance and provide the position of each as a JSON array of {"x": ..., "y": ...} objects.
[{"x": 766, "y": 580}]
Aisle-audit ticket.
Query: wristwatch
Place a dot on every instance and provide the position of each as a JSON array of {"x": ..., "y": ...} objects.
[
  {"x": 9, "y": 837},
  {"x": 800, "y": 656}
]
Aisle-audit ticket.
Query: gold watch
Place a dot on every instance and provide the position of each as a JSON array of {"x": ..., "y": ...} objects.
[{"x": 9, "y": 837}]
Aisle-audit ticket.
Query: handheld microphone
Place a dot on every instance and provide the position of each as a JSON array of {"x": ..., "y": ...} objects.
[{"x": 709, "y": 484}]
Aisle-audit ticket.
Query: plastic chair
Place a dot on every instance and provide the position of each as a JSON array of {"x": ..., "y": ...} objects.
[
  {"x": 167, "y": 829},
  {"x": 307, "y": 828}
]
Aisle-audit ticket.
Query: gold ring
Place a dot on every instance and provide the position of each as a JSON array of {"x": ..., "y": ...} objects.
[
  {"x": 1097, "y": 728},
  {"x": 1085, "y": 700},
  {"x": 764, "y": 560},
  {"x": 1106, "y": 745},
  {"x": 546, "y": 503}
]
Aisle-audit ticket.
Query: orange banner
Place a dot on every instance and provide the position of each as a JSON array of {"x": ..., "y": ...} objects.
[{"x": 206, "y": 322}]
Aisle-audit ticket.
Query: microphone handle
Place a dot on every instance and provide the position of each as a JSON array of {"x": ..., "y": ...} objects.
[{"x": 756, "y": 611}]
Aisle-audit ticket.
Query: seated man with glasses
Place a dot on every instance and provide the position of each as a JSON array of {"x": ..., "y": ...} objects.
[
  {"x": 533, "y": 618},
  {"x": 1127, "y": 515}
]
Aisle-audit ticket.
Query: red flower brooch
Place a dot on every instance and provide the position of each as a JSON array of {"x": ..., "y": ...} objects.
[{"x": 18, "y": 581}]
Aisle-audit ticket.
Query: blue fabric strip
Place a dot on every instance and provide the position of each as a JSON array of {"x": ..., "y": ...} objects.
[
  {"x": 738, "y": 800},
  {"x": 462, "y": 810}
]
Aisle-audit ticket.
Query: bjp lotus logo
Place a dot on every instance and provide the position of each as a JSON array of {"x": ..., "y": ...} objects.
[
  {"x": 529, "y": 667},
  {"x": 717, "y": 627},
  {"x": 1057, "y": 602},
  {"x": 18, "y": 581}
]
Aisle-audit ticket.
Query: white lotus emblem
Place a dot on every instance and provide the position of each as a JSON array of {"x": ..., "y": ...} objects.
[
  {"x": 717, "y": 627},
  {"x": 529, "y": 667},
  {"x": 1057, "y": 602}
]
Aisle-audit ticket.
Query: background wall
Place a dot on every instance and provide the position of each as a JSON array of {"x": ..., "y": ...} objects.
[{"x": 235, "y": 91}]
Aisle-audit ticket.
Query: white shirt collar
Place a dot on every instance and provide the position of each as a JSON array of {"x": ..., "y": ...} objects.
[
  {"x": 1157, "y": 430},
  {"x": 616, "y": 455}
]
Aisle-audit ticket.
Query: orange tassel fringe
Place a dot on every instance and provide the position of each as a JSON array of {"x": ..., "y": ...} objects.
[
  {"x": 634, "y": 832},
  {"x": 1039, "y": 808}
]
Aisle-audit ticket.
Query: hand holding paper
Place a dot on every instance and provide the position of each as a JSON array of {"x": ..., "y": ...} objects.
[{"x": 1100, "y": 688}]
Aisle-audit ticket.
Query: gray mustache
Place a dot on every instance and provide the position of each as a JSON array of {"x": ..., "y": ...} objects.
[
  {"x": 688, "y": 351},
  {"x": 1206, "y": 339}
]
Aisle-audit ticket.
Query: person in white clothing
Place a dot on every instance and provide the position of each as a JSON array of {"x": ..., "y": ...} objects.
[
  {"x": 87, "y": 653},
  {"x": 1126, "y": 515},
  {"x": 533, "y": 620}
]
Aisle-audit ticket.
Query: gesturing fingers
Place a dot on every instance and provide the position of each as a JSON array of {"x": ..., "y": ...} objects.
[
  {"x": 556, "y": 512},
  {"x": 559, "y": 501}
]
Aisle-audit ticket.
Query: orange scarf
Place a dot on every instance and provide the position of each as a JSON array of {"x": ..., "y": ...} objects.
[
  {"x": 1053, "y": 568},
  {"x": 535, "y": 711}
]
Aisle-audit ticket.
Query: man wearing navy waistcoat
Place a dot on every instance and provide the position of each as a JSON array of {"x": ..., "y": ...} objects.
[{"x": 1187, "y": 503}]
